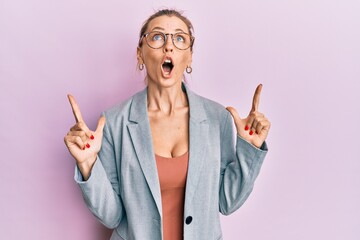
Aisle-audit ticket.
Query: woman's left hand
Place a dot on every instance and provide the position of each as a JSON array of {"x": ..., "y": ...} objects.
[{"x": 255, "y": 127}]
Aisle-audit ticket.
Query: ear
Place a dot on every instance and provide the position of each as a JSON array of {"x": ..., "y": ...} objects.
[
  {"x": 139, "y": 55},
  {"x": 189, "y": 60}
]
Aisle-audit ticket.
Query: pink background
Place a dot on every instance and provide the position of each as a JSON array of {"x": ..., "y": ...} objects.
[{"x": 305, "y": 52}]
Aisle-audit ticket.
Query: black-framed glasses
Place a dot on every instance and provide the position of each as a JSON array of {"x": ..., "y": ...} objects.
[{"x": 158, "y": 39}]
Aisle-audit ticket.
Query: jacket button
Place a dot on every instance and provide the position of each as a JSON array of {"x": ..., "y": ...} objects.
[{"x": 188, "y": 220}]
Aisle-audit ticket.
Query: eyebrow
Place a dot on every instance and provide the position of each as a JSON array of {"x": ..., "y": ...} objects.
[{"x": 160, "y": 28}]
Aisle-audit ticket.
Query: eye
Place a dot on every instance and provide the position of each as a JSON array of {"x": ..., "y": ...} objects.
[
  {"x": 180, "y": 38},
  {"x": 157, "y": 37}
]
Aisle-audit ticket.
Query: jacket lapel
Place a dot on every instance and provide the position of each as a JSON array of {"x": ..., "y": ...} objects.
[
  {"x": 140, "y": 133},
  {"x": 198, "y": 132}
]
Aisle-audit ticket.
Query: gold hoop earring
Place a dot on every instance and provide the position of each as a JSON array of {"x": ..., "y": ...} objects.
[
  {"x": 188, "y": 70},
  {"x": 141, "y": 67}
]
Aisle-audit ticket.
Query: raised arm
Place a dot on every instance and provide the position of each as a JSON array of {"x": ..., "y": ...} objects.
[{"x": 241, "y": 166}]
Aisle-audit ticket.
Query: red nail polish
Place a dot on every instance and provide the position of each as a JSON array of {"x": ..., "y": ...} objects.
[
  {"x": 88, "y": 145},
  {"x": 92, "y": 137},
  {"x": 246, "y": 128},
  {"x": 83, "y": 148},
  {"x": 251, "y": 132}
]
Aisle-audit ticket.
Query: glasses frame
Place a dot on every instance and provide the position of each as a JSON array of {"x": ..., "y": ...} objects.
[{"x": 192, "y": 38}]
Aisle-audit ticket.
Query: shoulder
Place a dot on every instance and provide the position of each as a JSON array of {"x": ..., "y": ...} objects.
[
  {"x": 121, "y": 110},
  {"x": 214, "y": 113},
  {"x": 212, "y": 109}
]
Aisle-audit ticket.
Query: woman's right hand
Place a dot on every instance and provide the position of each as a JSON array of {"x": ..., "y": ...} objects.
[{"x": 84, "y": 144}]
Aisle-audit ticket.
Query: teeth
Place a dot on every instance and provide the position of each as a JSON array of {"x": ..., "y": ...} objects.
[{"x": 168, "y": 61}]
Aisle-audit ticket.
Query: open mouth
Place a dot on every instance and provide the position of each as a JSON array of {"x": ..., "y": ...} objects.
[{"x": 167, "y": 66}]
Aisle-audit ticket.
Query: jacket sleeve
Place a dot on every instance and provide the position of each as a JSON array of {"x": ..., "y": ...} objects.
[
  {"x": 239, "y": 168},
  {"x": 101, "y": 191}
]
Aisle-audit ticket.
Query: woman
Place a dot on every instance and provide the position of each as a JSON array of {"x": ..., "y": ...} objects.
[{"x": 164, "y": 164}]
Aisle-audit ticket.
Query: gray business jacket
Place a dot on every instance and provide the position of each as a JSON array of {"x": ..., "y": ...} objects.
[{"x": 123, "y": 191}]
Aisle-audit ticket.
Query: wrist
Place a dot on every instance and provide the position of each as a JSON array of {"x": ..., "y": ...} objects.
[{"x": 86, "y": 166}]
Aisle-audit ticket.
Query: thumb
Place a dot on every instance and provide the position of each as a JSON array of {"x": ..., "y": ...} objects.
[
  {"x": 101, "y": 124},
  {"x": 234, "y": 113}
]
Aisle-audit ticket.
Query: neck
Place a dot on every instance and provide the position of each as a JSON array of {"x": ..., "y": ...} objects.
[{"x": 165, "y": 100}]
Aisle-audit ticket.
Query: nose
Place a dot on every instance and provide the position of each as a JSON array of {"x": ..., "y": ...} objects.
[{"x": 169, "y": 46}]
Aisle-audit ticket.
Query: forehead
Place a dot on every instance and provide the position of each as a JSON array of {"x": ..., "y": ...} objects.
[{"x": 169, "y": 24}]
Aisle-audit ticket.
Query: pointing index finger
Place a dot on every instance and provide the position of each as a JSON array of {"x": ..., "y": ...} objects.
[
  {"x": 75, "y": 108},
  {"x": 256, "y": 98}
]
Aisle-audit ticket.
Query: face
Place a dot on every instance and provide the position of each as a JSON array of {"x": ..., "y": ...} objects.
[{"x": 157, "y": 61}]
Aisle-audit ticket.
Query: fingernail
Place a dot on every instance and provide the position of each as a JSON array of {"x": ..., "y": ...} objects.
[
  {"x": 251, "y": 132},
  {"x": 246, "y": 128},
  {"x": 88, "y": 145},
  {"x": 92, "y": 137},
  {"x": 83, "y": 148}
]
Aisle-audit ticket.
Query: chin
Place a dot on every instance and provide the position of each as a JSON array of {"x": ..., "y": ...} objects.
[{"x": 166, "y": 82}]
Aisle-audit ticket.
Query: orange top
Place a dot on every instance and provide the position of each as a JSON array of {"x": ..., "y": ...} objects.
[{"x": 172, "y": 175}]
